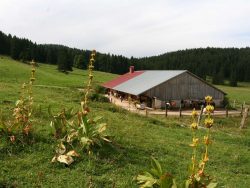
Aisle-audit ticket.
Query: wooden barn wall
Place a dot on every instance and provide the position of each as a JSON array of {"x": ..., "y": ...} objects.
[{"x": 184, "y": 87}]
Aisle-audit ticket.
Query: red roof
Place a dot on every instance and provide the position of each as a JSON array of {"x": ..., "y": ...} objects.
[{"x": 123, "y": 78}]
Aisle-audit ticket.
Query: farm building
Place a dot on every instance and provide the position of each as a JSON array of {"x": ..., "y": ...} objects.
[{"x": 157, "y": 87}]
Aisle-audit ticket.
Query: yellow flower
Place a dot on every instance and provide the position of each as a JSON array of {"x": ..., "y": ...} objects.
[
  {"x": 32, "y": 79},
  {"x": 209, "y": 122},
  {"x": 207, "y": 140},
  {"x": 23, "y": 86},
  {"x": 195, "y": 142},
  {"x": 208, "y": 99},
  {"x": 194, "y": 125},
  {"x": 209, "y": 108},
  {"x": 194, "y": 113},
  {"x": 205, "y": 159}
]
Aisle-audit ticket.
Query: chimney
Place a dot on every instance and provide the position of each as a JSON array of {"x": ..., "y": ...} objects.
[{"x": 131, "y": 69}]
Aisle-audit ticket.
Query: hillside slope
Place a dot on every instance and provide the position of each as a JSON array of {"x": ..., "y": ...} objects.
[{"x": 135, "y": 138}]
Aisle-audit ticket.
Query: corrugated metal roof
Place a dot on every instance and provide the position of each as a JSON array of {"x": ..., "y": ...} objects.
[
  {"x": 121, "y": 79},
  {"x": 146, "y": 81}
]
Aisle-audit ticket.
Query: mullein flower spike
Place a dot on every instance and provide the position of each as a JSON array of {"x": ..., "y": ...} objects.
[
  {"x": 209, "y": 109},
  {"x": 198, "y": 169},
  {"x": 208, "y": 99},
  {"x": 89, "y": 86},
  {"x": 209, "y": 122}
]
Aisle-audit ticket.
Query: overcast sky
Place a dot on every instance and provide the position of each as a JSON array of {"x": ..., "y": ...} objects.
[{"x": 129, "y": 27}]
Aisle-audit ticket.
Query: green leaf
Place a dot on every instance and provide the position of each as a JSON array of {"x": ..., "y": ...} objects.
[
  {"x": 69, "y": 114},
  {"x": 101, "y": 127},
  {"x": 187, "y": 183},
  {"x": 156, "y": 167},
  {"x": 146, "y": 180},
  {"x": 18, "y": 102},
  {"x": 96, "y": 119},
  {"x": 85, "y": 141},
  {"x": 51, "y": 123},
  {"x": 212, "y": 185},
  {"x": 174, "y": 184},
  {"x": 166, "y": 181},
  {"x": 49, "y": 111}
]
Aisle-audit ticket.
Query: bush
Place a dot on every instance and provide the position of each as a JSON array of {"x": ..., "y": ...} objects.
[
  {"x": 100, "y": 89},
  {"x": 98, "y": 98}
]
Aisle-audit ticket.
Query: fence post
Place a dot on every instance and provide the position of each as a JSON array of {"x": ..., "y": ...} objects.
[
  {"x": 241, "y": 110},
  {"x": 234, "y": 104},
  {"x": 146, "y": 110},
  {"x": 180, "y": 110},
  {"x": 201, "y": 113},
  {"x": 166, "y": 110},
  {"x": 244, "y": 118},
  {"x": 129, "y": 102}
]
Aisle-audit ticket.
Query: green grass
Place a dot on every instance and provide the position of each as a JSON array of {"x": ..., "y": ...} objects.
[
  {"x": 135, "y": 137},
  {"x": 240, "y": 94}
]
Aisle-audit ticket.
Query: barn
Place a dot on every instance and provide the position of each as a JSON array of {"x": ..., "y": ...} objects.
[{"x": 157, "y": 87}]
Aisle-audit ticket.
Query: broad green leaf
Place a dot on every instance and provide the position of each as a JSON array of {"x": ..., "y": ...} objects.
[
  {"x": 51, "y": 123},
  {"x": 146, "y": 180},
  {"x": 102, "y": 127},
  {"x": 69, "y": 113},
  {"x": 166, "y": 181},
  {"x": 83, "y": 128},
  {"x": 187, "y": 183},
  {"x": 49, "y": 111},
  {"x": 96, "y": 119},
  {"x": 174, "y": 184},
  {"x": 85, "y": 141},
  {"x": 18, "y": 102},
  {"x": 212, "y": 185},
  {"x": 156, "y": 167}
]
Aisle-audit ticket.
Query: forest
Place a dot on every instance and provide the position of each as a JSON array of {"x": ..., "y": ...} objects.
[{"x": 219, "y": 64}]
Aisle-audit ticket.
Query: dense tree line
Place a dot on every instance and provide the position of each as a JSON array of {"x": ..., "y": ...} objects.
[
  {"x": 64, "y": 57},
  {"x": 232, "y": 64}
]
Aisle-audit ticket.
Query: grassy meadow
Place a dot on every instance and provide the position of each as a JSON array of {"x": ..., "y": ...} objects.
[
  {"x": 240, "y": 94},
  {"x": 135, "y": 138}
]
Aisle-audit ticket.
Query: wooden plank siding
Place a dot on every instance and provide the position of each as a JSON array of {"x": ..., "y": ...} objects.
[{"x": 184, "y": 86}]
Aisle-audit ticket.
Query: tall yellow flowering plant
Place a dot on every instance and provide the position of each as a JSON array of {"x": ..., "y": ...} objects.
[
  {"x": 23, "y": 109},
  {"x": 197, "y": 177},
  {"x": 156, "y": 177},
  {"x": 76, "y": 129}
]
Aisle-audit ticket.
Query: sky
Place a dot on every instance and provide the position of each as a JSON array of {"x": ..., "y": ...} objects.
[{"x": 135, "y": 28}]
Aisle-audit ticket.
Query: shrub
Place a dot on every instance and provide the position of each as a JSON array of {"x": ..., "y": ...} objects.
[
  {"x": 100, "y": 89},
  {"x": 98, "y": 97}
]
